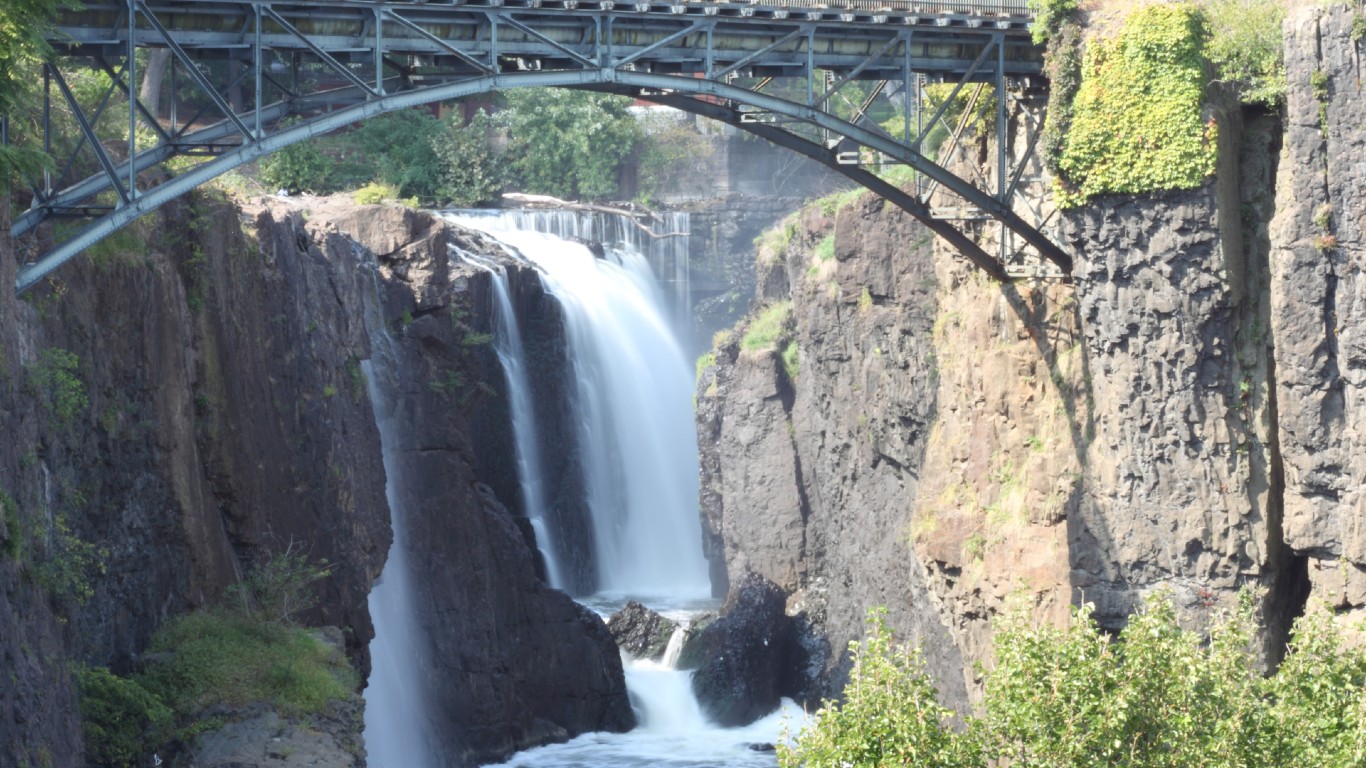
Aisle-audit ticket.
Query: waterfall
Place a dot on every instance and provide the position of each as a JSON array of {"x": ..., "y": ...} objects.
[
  {"x": 397, "y": 727},
  {"x": 507, "y": 342},
  {"x": 632, "y": 393}
]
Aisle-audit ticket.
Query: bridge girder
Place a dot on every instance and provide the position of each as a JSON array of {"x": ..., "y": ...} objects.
[{"x": 670, "y": 58}]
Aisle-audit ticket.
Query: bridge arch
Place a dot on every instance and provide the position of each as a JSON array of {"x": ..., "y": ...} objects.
[{"x": 713, "y": 99}]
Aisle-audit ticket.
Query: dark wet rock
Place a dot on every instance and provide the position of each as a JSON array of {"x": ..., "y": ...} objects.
[
  {"x": 640, "y": 631},
  {"x": 750, "y": 657}
]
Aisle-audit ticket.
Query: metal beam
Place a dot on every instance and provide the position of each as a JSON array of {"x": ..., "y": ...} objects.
[
  {"x": 194, "y": 72},
  {"x": 662, "y": 84}
]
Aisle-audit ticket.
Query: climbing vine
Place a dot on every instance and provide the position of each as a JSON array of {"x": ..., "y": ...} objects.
[{"x": 1136, "y": 123}]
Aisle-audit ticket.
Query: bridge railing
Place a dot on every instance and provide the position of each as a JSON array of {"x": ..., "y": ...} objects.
[{"x": 973, "y": 7}]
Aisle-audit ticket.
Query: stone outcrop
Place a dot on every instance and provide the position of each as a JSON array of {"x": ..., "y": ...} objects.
[
  {"x": 1318, "y": 319},
  {"x": 751, "y": 656},
  {"x": 227, "y": 418},
  {"x": 811, "y": 482},
  {"x": 641, "y": 632}
]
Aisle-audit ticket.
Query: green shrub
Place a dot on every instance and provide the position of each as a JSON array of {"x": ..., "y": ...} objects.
[
  {"x": 791, "y": 361},
  {"x": 704, "y": 362},
  {"x": 53, "y": 379},
  {"x": 375, "y": 193},
  {"x": 1136, "y": 123},
  {"x": 69, "y": 564},
  {"x": 221, "y": 657},
  {"x": 1246, "y": 47},
  {"x": 280, "y": 587},
  {"x": 770, "y": 325},
  {"x": 299, "y": 167},
  {"x": 1155, "y": 696},
  {"x": 890, "y": 715},
  {"x": 122, "y": 721},
  {"x": 825, "y": 249},
  {"x": 1049, "y": 16}
]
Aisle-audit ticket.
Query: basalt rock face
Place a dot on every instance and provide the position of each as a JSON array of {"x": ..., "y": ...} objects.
[
  {"x": 1183, "y": 416},
  {"x": 753, "y": 655},
  {"x": 171, "y": 427},
  {"x": 1318, "y": 316},
  {"x": 227, "y": 418},
  {"x": 811, "y": 482}
]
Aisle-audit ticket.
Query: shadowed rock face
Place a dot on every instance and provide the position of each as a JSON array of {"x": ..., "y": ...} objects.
[
  {"x": 750, "y": 657},
  {"x": 1318, "y": 319},
  {"x": 227, "y": 418}
]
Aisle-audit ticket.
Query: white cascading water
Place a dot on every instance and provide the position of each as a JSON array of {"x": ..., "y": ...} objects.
[
  {"x": 507, "y": 342},
  {"x": 634, "y": 404},
  {"x": 636, "y": 431},
  {"x": 397, "y": 728}
]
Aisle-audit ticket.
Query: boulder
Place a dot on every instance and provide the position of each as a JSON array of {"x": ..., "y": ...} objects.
[
  {"x": 640, "y": 631},
  {"x": 750, "y": 657}
]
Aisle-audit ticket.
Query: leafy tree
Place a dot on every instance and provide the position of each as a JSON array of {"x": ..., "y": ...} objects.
[
  {"x": 890, "y": 715},
  {"x": 570, "y": 144},
  {"x": 401, "y": 148},
  {"x": 1246, "y": 47},
  {"x": 23, "y": 46},
  {"x": 470, "y": 169},
  {"x": 299, "y": 167},
  {"x": 1154, "y": 696}
]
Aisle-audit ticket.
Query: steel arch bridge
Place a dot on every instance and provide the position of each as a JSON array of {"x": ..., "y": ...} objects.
[{"x": 270, "y": 73}]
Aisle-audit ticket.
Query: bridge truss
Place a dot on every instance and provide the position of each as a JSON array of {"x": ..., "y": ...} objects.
[{"x": 250, "y": 77}]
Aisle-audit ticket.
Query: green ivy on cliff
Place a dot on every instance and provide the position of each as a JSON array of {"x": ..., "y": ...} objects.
[{"x": 1136, "y": 123}]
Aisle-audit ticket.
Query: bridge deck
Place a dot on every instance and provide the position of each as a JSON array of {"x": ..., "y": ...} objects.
[{"x": 333, "y": 62}]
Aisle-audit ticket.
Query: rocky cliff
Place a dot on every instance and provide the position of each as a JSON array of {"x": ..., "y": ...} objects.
[
  {"x": 1184, "y": 414},
  {"x": 187, "y": 401},
  {"x": 1318, "y": 319}
]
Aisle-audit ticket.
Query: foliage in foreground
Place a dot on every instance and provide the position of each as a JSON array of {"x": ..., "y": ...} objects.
[
  {"x": 222, "y": 656},
  {"x": 1156, "y": 696}
]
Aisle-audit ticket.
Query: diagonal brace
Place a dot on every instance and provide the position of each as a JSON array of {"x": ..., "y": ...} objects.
[
  {"x": 670, "y": 40},
  {"x": 322, "y": 55},
  {"x": 89, "y": 132},
  {"x": 194, "y": 72},
  {"x": 856, "y": 71},
  {"x": 142, "y": 110},
  {"x": 428, "y": 36},
  {"x": 526, "y": 30},
  {"x": 784, "y": 40},
  {"x": 944, "y": 107}
]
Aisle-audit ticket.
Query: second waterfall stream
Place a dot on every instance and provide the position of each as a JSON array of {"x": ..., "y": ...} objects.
[{"x": 632, "y": 396}]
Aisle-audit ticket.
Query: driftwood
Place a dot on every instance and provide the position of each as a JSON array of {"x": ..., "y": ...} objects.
[{"x": 635, "y": 213}]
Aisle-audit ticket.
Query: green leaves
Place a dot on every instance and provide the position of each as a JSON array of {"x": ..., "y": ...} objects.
[
  {"x": 1154, "y": 696},
  {"x": 890, "y": 715},
  {"x": 1136, "y": 123},
  {"x": 569, "y": 144}
]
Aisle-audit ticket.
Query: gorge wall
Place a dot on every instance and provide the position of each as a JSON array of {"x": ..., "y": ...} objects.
[
  {"x": 1184, "y": 415},
  {"x": 188, "y": 401}
]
